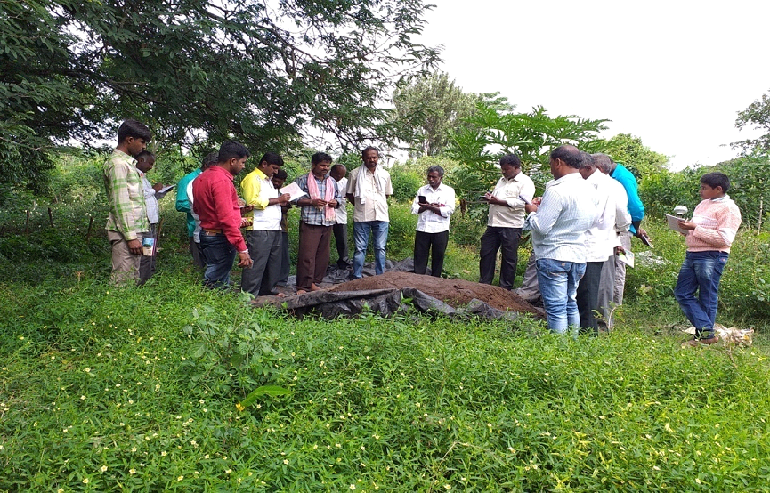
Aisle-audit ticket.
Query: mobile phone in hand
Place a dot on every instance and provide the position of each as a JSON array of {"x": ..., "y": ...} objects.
[{"x": 422, "y": 199}]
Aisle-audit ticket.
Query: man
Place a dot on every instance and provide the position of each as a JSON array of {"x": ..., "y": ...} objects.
[
  {"x": 183, "y": 204},
  {"x": 559, "y": 222},
  {"x": 434, "y": 204},
  {"x": 603, "y": 242},
  {"x": 636, "y": 210},
  {"x": 217, "y": 206},
  {"x": 368, "y": 189},
  {"x": 145, "y": 162},
  {"x": 338, "y": 172},
  {"x": 127, "y": 221},
  {"x": 278, "y": 181},
  {"x": 264, "y": 234},
  {"x": 317, "y": 219},
  {"x": 606, "y": 294},
  {"x": 505, "y": 222}
]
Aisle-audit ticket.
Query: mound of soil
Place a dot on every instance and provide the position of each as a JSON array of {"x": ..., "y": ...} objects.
[{"x": 455, "y": 292}]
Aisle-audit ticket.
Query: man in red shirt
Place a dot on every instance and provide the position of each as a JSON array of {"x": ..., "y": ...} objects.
[{"x": 217, "y": 205}]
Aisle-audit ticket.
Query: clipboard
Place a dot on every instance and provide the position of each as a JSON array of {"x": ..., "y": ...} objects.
[{"x": 673, "y": 224}]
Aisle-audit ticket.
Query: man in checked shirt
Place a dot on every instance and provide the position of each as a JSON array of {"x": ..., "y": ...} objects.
[{"x": 128, "y": 221}]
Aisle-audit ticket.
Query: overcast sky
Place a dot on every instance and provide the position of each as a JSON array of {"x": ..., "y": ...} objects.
[{"x": 674, "y": 73}]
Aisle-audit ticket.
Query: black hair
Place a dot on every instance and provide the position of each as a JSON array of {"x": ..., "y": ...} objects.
[
  {"x": 335, "y": 166},
  {"x": 272, "y": 158},
  {"x": 231, "y": 149},
  {"x": 436, "y": 169},
  {"x": 145, "y": 153},
  {"x": 281, "y": 175},
  {"x": 570, "y": 155},
  {"x": 366, "y": 149},
  {"x": 319, "y": 157},
  {"x": 209, "y": 160},
  {"x": 133, "y": 128},
  {"x": 510, "y": 160},
  {"x": 715, "y": 180}
]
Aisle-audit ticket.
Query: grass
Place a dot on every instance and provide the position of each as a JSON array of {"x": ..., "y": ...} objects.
[{"x": 136, "y": 389}]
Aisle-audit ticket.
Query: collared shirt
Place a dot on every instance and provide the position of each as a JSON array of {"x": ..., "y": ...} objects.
[
  {"x": 217, "y": 204},
  {"x": 635, "y": 205},
  {"x": 510, "y": 216},
  {"x": 258, "y": 190},
  {"x": 182, "y": 203},
  {"x": 313, "y": 215},
  {"x": 341, "y": 209},
  {"x": 428, "y": 221},
  {"x": 372, "y": 203},
  {"x": 151, "y": 198},
  {"x": 124, "y": 196},
  {"x": 614, "y": 217},
  {"x": 559, "y": 228}
]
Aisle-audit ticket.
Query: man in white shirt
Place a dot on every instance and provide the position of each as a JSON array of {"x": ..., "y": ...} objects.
[
  {"x": 559, "y": 222},
  {"x": 145, "y": 162},
  {"x": 368, "y": 189},
  {"x": 338, "y": 172},
  {"x": 505, "y": 222},
  {"x": 603, "y": 241},
  {"x": 434, "y": 204}
]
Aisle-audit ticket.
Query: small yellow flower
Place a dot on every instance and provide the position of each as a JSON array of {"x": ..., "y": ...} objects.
[
  {"x": 698, "y": 481},
  {"x": 286, "y": 461},
  {"x": 60, "y": 490},
  {"x": 132, "y": 471},
  {"x": 227, "y": 471},
  {"x": 163, "y": 453},
  {"x": 352, "y": 487},
  {"x": 103, "y": 468},
  {"x": 83, "y": 397},
  {"x": 447, "y": 486},
  {"x": 86, "y": 481},
  {"x": 179, "y": 478},
  {"x": 655, "y": 467},
  {"x": 87, "y": 370},
  {"x": 239, "y": 407}
]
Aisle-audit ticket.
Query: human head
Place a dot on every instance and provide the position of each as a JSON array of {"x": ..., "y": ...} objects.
[
  {"x": 232, "y": 156},
  {"x": 133, "y": 137},
  {"x": 338, "y": 171},
  {"x": 370, "y": 157},
  {"x": 145, "y": 161},
  {"x": 566, "y": 159},
  {"x": 278, "y": 180},
  {"x": 435, "y": 176},
  {"x": 602, "y": 162},
  {"x": 270, "y": 163},
  {"x": 588, "y": 167},
  {"x": 320, "y": 164},
  {"x": 714, "y": 185},
  {"x": 209, "y": 160},
  {"x": 510, "y": 165}
]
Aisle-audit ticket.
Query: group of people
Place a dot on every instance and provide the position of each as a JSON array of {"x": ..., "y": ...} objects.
[{"x": 580, "y": 228}]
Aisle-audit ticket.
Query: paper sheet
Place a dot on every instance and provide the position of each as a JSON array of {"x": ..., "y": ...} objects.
[
  {"x": 673, "y": 224},
  {"x": 294, "y": 190},
  {"x": 627, "y": 257}
]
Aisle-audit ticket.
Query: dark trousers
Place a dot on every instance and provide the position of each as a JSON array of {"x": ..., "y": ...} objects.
[
  {"x": 313, "y": 255},
  {"x": 265, "y": 250},
  {"x": 588, "y": 295},
  {"x": 220, "y": 256},
  {"x": 342, "y": 247},
  {"x": 197, "y": 254},
  {"x": 421, "y": 246},
  {"x": 492, "y": 239},
  {"x": 284, "y": 268},
  {"x": 148, "y": 263}
]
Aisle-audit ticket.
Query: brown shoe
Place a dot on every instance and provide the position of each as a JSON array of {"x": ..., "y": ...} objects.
[
  {"x": 711, "y": 340},
  {"x": 695, "y": 342}
]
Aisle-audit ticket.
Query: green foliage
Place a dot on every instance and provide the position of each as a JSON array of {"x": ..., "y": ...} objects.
[
  {"x": 406, "y": 181},
  {"x": 758, "y": 116},
  {"x": 629, "y": 150}
]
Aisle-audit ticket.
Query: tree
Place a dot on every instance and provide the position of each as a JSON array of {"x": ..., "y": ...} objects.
[
  {"x": 757, "y": 115},
  {"x": 199, "y": 72},
  {"x": 428, "y": 109},
  {"x": 629, "y": 150}
]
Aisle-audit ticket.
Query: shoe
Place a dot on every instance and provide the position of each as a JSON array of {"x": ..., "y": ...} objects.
[{"x": 698, "y": 342}]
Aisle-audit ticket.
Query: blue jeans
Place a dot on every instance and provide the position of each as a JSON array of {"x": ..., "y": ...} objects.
[
  {"x": 362, "y": 231},
  {"x": 700, "y": 272},
  {"x": 558, "y": 282},
  {"x": 220, "y": 256}
]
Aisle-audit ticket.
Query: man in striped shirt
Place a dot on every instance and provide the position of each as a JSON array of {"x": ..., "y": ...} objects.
[
  {"x": 127, "y": 222},
  {"x": 560, "y": 222}
]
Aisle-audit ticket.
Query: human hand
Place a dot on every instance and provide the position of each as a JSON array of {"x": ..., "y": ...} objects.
[
  {"x": 531, "y": 208},
  {"x": 685, "y": 225},
  {"x": 245, "y": 260},
  {"x": 619, "y": 250},
  {"x": 246, "y": 209},
  {"x": 332, "y": 203},
  {"x": 318, "y": 202},
  {"x": 536, "y": 201},
  {"x": 158, "y": 186},
  {"x": 135, "y": 246}
]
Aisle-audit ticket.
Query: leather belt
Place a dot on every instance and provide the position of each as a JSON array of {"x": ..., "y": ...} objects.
[{"x": 212, "y": 232}]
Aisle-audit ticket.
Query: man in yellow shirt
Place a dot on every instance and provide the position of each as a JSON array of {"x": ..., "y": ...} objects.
[{"x": 264, "y": 235}]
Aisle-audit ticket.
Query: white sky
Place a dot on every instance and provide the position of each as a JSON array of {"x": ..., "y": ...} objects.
[{"x": 674, "y": 73}]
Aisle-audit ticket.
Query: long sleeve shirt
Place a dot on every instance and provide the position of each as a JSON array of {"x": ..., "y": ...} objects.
[
  {"x": 718, "y": 221},
  {"x": 510, "y": 216},
  {"x": 613, "y": 217},
  {"x": 428, "y": 221},
  {"x": 151, "y": 198},
  {"x": 635, "y": 205},
  {"x": 559, "y": 228},
  {"x": 124, "y": 195},
  {"x": 258, "y": 191},
  {"x": 182, "y": 203},
  {"x": 217, "y": 204},
  {"x": 341, "y": 209}
]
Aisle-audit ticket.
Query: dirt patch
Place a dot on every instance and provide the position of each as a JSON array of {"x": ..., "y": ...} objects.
[{"x": 455, "y": 292}]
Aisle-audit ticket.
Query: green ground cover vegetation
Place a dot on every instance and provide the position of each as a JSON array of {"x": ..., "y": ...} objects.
[{"x": 136, "y": 389}]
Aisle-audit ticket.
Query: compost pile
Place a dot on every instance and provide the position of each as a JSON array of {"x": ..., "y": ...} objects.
[{"x": 397, "y": 291}]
